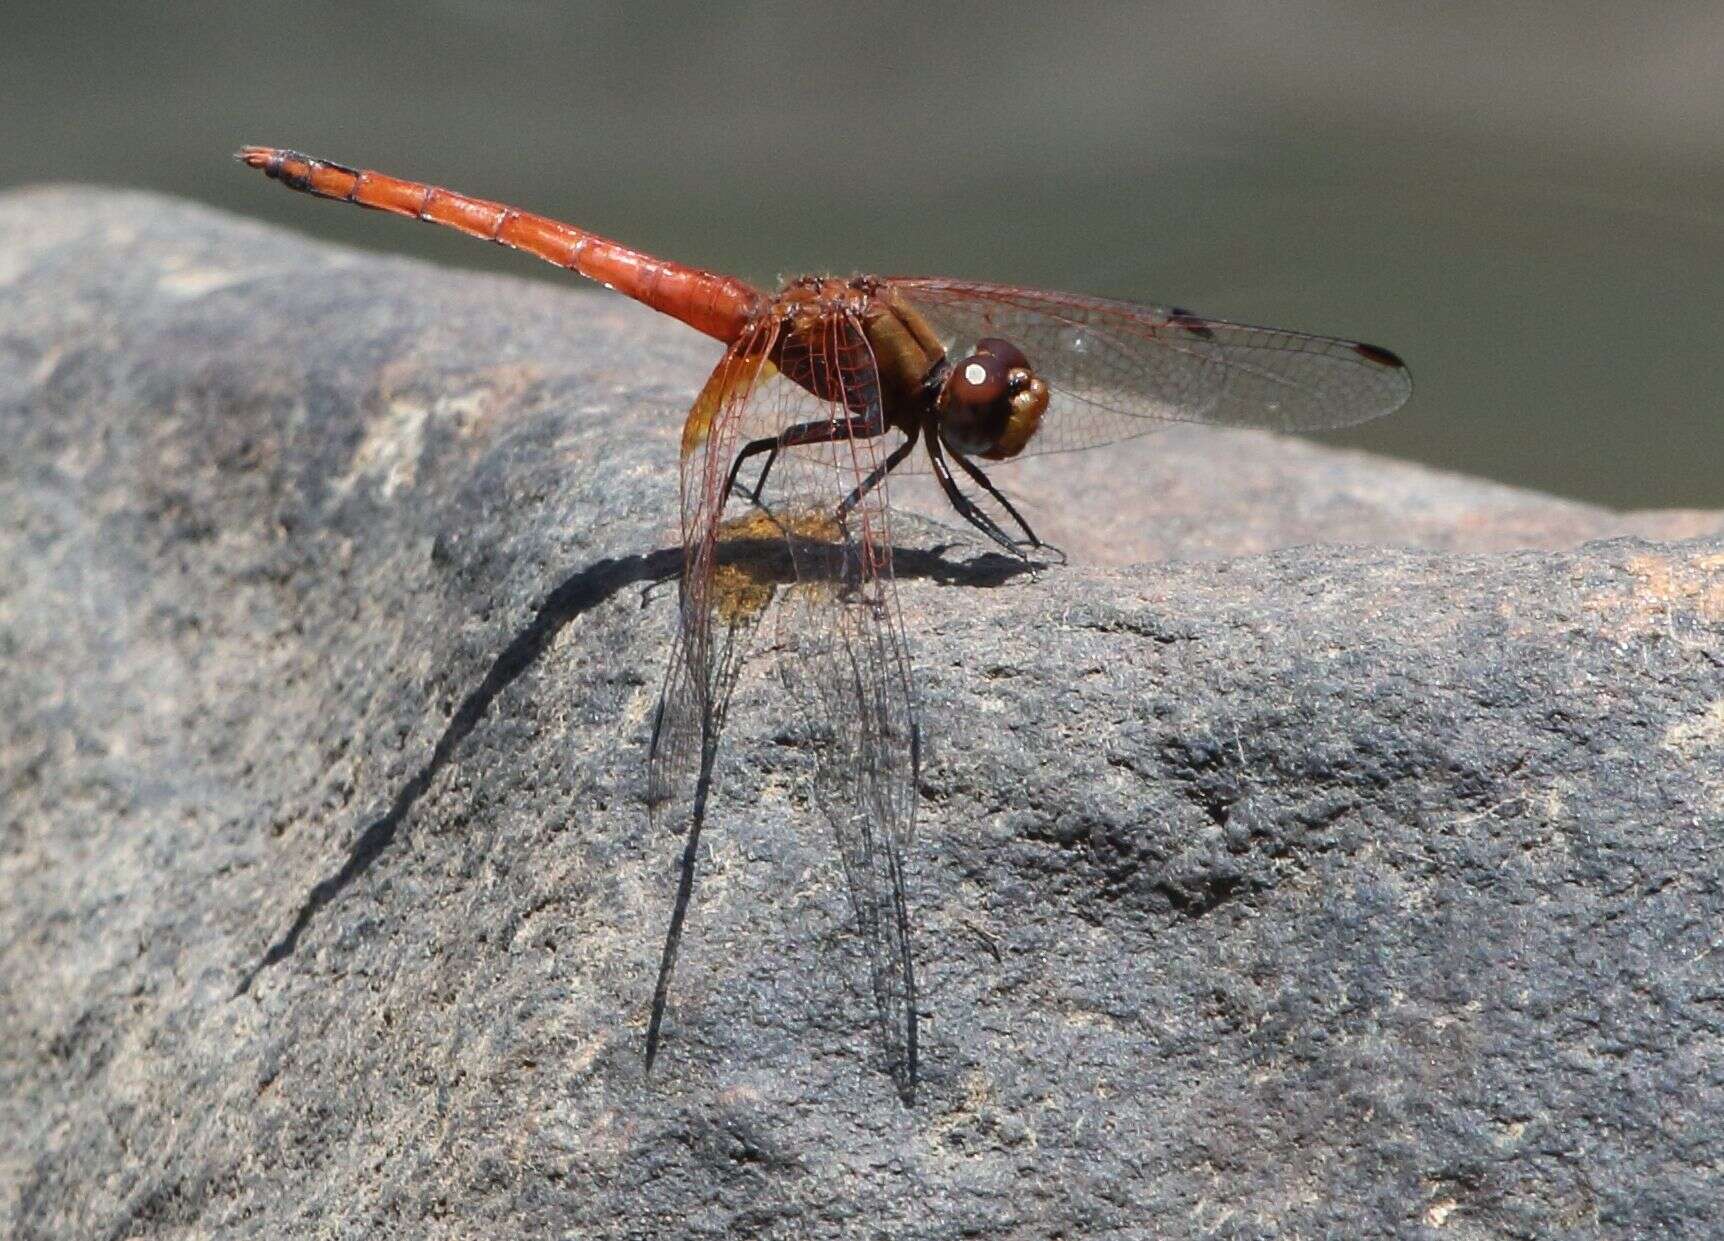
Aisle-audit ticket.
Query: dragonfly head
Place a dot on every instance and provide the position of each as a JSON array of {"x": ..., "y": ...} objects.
[{"x": 992, "y": 402}]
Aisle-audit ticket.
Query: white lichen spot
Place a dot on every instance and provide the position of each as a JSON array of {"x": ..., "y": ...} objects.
[
  {"x": 45, "y": 366},
  {"x": 192, "y": 282},
  {"x": 388, "y": 456},
  {"x": 1438, "y": 1213}
]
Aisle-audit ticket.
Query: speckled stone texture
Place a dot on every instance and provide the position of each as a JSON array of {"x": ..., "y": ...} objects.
[{"x": 1348, "y": 865}]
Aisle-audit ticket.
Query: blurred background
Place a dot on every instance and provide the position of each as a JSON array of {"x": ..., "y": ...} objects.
[{"x": 1526, "y": 201}]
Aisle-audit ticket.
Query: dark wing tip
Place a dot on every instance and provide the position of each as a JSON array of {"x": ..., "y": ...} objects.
[
  {"x": 1196, "y": 324},
  {"x": 1379, "y": 355}
]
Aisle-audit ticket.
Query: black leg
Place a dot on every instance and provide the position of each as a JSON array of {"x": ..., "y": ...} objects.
[
  {"x": 751, "y": 449},
  {"x": 863, "y": 427},
  {"x": 973, "y": 472},
  {"x": 879, "y": 472},
  {"x": 967, "y": 508}
]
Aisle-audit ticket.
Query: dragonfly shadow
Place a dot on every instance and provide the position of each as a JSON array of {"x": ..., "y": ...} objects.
[
  {"x": 578, "y": 593},
  {"x": 767, "y": 561},
  {"x": 986, "y": 570},
  {"x": 763, "y": 549}
]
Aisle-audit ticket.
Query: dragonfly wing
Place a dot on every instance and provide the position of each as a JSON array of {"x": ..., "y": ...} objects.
[
  {"x": 703, "y": 655},
  {"x": 675, "y": 734},
  {"x": 844, "y": 656},
  {"x": 1118, "y": 369},
  {"x": 717, "y": 614}
]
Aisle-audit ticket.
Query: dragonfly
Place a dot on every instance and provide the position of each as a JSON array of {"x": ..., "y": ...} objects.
[{"x": 830, "y": 385}]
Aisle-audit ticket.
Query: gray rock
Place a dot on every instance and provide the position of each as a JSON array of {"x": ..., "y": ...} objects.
[{"x": 1315, "y": 891}]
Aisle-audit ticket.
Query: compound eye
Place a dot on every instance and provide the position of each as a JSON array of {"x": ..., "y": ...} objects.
[
  {"x": 979, "y": 380},
  {"x": 1010, "y": 356}
]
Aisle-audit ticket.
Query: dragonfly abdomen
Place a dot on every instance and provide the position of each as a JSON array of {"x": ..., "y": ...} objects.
[{"x": 720, "y": 306}]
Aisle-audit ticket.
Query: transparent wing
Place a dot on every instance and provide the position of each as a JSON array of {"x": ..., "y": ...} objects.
[
  {"x": 704, "y": 656},
  {"x": 842, "y": 646},
  {"x": 843, "y": 652},
  {"x": 1118, "y": 369},
  {"x": 719, "y": 608}
]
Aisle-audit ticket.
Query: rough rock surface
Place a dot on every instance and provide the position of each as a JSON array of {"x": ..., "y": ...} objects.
[{"x": 1315, "y": 891}]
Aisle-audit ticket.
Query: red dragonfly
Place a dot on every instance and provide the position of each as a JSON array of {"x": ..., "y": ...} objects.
[{"x": 814, "y": 379}]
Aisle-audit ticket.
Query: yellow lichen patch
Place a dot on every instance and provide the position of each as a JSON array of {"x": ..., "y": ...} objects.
[
  {"x": 739, "y": 592},
  {"x": 812, "y": 525},
  {"x": 755, "y": 524},
  {"x": 754, "y": 558},
  {"x": 760, "y": 530}
]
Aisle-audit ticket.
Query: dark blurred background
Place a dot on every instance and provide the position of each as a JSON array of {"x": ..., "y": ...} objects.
[{"x": 1527, "y": 201}]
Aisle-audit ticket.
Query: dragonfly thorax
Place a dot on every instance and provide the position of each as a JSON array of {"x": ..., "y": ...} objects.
[{"x": 992, "y": 402}]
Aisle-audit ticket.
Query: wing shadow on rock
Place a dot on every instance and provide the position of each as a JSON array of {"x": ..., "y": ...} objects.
[{"x": 579, "y": 593}]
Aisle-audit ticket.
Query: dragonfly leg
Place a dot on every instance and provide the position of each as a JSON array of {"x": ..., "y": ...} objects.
[
  {"x": 988, "y": 486},
  {"x": 878, "y": 473},
  {"x": 751, "y": 449},
  {"x": 825, "y": 431},
  {"x": 967, "y": 508}
]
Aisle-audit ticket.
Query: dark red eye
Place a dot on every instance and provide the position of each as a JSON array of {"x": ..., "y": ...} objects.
[
  {"x": 1009, "y": 354},
  {"x": 979, "y": 380}
]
